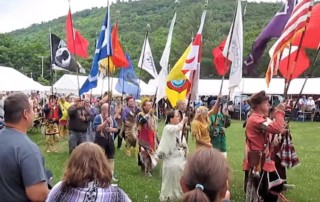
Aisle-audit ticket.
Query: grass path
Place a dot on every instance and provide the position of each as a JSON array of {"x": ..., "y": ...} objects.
[{"x": 306, "y": 177}]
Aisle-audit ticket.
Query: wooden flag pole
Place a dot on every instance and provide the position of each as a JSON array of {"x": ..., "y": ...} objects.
[
  {"x": 51, "y": 60},
  {"x": 286, "y": 81}
]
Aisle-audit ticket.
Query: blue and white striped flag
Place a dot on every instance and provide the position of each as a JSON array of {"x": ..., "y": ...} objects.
[{"x": 103, "y": 50}]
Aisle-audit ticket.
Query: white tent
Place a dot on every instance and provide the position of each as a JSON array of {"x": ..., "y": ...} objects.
[
  {"x": 69, "y": 84},
  {"x": 254, "y": 85},
  {"x": 13, "y": 80}
]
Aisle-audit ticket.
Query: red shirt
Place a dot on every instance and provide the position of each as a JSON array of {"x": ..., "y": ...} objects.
[{"x": 257, "y": 128}]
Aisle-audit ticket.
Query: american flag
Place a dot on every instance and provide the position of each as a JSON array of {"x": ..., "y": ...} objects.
[{"x": 296, "y": 24}]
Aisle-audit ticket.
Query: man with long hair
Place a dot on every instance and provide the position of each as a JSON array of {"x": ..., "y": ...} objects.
[
  {"x": 147, "y": 137},
  {"x": 129, "y": 114}
]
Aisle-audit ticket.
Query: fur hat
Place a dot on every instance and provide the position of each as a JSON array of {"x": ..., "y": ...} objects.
[{"x": 257, "y": 99}]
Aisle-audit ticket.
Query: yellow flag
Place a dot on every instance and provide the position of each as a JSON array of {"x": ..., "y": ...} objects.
[
  {"x": 103, "y": 65},
  {"x": 177, "y": 83}
]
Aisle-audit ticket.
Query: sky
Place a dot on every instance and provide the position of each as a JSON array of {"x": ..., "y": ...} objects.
[{"x": 18, "y": 14}]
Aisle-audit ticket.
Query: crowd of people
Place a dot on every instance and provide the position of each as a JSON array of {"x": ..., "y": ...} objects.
[{"x": 91, "y": 126}]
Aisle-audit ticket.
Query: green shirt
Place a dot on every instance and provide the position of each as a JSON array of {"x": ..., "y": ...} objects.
[{"x": 219, "y": 140}]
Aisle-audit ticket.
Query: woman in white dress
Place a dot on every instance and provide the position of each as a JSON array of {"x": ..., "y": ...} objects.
[{"x": 172, "y": 149}]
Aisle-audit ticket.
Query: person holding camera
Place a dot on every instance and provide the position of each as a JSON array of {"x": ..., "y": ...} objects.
[{"x": 79, "y": 121}]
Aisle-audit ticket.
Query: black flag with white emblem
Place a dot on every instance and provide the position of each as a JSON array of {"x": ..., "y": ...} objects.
[{"x": 61, "y": 58}]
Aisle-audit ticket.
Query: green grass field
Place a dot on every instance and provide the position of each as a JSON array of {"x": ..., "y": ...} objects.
[{"x": 306, "y": 177}]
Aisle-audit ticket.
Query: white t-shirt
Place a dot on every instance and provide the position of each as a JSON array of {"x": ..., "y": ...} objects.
[{"x": 311, "y": 104}]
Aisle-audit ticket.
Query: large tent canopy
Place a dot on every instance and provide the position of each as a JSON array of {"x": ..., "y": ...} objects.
[
  {"x": 69, "y": 84},
  {"x": 13, "y": 80}
]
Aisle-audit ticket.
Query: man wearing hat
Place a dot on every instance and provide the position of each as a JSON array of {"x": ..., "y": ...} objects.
[
  {"x": 52, "y": 113},
  {"x": 130, "y": 125},
  {"x": 258, "y": 147}
]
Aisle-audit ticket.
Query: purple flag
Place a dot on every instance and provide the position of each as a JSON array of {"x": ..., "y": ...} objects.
[{"x": 272, "y": 30}]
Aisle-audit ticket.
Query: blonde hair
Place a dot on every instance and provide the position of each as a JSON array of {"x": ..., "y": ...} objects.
[
  {"x": 202, "y": 114},
  {"x": 87, "y": 163}
]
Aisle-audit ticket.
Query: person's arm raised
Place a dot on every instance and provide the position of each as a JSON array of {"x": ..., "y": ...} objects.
[{"x": 215, "y": 108}]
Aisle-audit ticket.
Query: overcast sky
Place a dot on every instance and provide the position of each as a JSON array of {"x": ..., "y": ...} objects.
[{"x": 17, "y": 14}]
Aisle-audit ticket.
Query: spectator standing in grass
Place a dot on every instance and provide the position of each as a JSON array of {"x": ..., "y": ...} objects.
[
  {"x": 22, "y": 173},
  {"x": 79, "y": 120}
]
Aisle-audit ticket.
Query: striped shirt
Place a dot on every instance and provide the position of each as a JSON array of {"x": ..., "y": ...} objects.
[{"x": 90, "y": 193}]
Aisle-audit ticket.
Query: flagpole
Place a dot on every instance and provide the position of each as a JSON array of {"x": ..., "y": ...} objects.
[
  {"x": 188, "y": 105},
  {"x": 51, "y": 59},
  {"x": 286, "y": 81},
  {"x": 74, "y": 48},
  {"x": 143, "y": 53},
  {"x": 231, "y": 34},
  {"x": 298, "y": 51},
  {"x": 304, "y": 83},
  {"x": 102, "y": 86}
]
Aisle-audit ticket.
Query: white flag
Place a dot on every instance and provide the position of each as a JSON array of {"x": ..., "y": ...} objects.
[
  {"x": 148, "y": 63},
  {"x": 192, "y": 63},
  {"x": 233, "y": 50},
  {"x": 162, "y": 78}
]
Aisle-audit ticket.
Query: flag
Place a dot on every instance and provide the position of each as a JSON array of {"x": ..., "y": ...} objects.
[
  {"x": 233, "y": 49},
  {"x": 164, "y": 61},
  {"x": 178, "y": 84},
  {"x": 118, "y": 57},
  {"x": 103, "y": 51},
  {"x": 296, "y": 23},
  {"x": 272, "y": 30},
  {"x": 61, "y": 59},
  {"x": 77, "y": 44},
  {"x": 146, "y": 55},
  {"x": 221, "y": 63},
  {"x": 128, "y": 82},
  {"x": 191, "y": 66},
  {"x": 312, "y": 34},
  {"x": 303, "y": 63}
]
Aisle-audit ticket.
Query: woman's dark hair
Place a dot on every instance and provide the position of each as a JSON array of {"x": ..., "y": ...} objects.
[
  {"x": 170, "y": 115},
  {"x": 205, "y": 176}
]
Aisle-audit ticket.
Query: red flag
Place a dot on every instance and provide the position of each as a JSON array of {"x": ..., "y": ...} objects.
[
  {"x": 302, "y": 64},
  {"x": 118, "y": 57},
  {"x": 222, "y": 63},
  {"x": 312, "y": 34},
  {"x": 76, "y": 43}
]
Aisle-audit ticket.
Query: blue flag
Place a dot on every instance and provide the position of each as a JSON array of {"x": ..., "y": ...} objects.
[
  {"x": 128, "y": 82},
  {"x": 103, "y": 50}
]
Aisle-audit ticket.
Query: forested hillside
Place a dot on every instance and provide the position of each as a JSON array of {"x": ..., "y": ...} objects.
[{"x": 21, "y": 49}]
